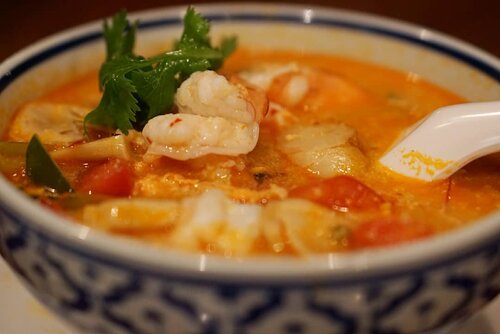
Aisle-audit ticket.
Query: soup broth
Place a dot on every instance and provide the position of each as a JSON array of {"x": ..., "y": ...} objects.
[{"x": 311, "y": 184}]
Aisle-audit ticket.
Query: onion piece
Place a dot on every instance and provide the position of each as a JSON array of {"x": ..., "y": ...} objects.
[{"x": 110, "y": 147}]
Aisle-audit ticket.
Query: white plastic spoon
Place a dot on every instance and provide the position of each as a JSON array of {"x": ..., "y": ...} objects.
[{"x": 446, "y": 140}]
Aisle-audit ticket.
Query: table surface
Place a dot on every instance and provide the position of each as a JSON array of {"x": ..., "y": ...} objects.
[{"x": 22, "y": 22}]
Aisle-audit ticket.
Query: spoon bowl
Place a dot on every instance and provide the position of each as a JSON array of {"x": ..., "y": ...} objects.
[{"x": 443, "y": 142}]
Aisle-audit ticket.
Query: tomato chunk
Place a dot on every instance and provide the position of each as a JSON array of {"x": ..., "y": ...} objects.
[
  {"x": 388, "y": 231},
  {"x": 115, "y": 177},
  {"x": 341, "y": 193}
]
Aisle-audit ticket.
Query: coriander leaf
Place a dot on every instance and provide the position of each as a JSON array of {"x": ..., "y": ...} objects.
[
  {"x": 195, "y": 32},
  {"x": 136, "y": 89},
  {"x": 156, "y": 88},
  {"x": 118, "y": 105},
  {"x": 120, "y": 38},
  {"x": 228, "y": 46},
  {"x": 42, "y": 169},
  {"x": 194, "y": 66}
]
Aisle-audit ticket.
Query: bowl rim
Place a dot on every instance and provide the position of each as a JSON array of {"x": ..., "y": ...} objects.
[{"x": 335, "y": 268}]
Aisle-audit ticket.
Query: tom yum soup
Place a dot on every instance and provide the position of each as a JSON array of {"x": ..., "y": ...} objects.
[{"x": 238, "y": 151}]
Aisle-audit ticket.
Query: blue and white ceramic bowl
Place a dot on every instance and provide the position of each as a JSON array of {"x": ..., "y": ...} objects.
[{"x": 104, "y": 284}]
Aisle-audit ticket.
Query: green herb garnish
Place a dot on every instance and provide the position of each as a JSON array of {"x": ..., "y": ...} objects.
[
  {"x": 136, "y": 89},
  {"x": 41, "y": 169}
]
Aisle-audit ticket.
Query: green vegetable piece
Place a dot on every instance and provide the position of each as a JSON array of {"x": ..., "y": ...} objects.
[
  {"x": 228, "y": 46},
  {"x": 136, "y": 89},
  {"x": 42, "y": 169},
  {"x": 119, "y": 36},
  {"x": 195, "y": 32}
]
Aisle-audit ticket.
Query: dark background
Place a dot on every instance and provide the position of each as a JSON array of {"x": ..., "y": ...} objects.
[{"x": 475, "y": 21}]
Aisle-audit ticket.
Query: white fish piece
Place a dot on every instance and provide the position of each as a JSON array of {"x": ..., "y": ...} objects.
[
  {"x": 54, "y": 123},
  {"x": 295, "y": 89},
  {"x": 325, "y": 149},
  {"x": 263, "y": 76},
  {"x": 314, "y": 137},
  {"x": 186, "y": 136},
  {"x": 331, "y": 161}
]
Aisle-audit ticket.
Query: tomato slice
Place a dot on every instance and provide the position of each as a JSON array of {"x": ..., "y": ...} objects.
[
  {"x": 342, "y": 193},
  {"x": 115, "y": 177},
  {"x": 388, "y": 231}
]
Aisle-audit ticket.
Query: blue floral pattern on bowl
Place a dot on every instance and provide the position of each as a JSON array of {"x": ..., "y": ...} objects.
[{"x": 106, "y": 297}]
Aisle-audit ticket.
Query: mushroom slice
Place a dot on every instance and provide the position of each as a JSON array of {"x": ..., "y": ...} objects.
[
  {"x": 54, "y": 123},
  {"x": 131, "y": 214},
  {"x": 110, "y": 147}
]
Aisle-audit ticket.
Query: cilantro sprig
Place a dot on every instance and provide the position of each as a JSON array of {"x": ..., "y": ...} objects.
[{"x": 136, "y": 89}]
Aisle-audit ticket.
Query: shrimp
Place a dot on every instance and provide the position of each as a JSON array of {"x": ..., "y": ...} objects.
[
  {"x": 215, "y": 116},
  {"x": 290, "y": 85},
  {"x": 210, "y": 94},
  {"x": 186, "y": 136}
]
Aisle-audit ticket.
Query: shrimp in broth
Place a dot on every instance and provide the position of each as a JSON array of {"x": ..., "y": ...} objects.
[{"x": 215, "y": 117}]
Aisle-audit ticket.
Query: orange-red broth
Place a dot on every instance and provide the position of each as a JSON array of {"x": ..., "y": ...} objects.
[{"x": 394, "y": 209}]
